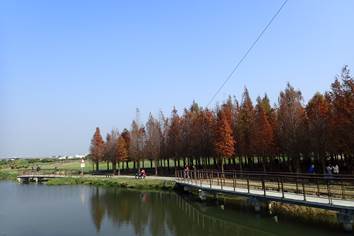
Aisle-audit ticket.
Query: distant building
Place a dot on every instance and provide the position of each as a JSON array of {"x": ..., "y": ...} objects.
[{"x": 77, "y": 156}]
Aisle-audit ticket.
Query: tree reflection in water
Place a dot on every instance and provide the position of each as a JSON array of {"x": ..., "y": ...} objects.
[
  {"x": 167, "y": 213},
  {"x": 97, "y": 209}
]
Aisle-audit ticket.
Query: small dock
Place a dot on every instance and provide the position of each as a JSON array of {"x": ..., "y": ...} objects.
[
  {"x": 43, "y": 175},
  {"x": 38, "y": 178}
]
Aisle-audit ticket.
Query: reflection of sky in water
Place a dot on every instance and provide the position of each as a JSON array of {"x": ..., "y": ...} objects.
[
  {"x": 82, "y": 196},
  {"x": 86, "y": 210}
]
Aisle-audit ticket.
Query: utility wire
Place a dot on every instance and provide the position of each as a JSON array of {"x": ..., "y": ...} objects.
[{"x": 248, "y": 51}]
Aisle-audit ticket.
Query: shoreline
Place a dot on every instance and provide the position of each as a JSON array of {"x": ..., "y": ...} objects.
[
  {"x": 116, "y": 181},
  {"x": 123, "y": 181}
]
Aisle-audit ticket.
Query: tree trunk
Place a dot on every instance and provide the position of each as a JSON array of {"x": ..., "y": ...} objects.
[
  {"x": 240, "y": 157},
  {"x": 114, "y": 167},
  {"x": 97, "y": 166},
  {"x": 156, "y": 166},
  {"x": 222, "y": 165},
  {"x": 264, "y": 164},
  {"x": 118, "y": 168}
]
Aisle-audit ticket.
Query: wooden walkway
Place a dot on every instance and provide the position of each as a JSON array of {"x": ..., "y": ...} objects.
[
  {"x": 332, "y": 194},
  {"x": 37, "y": 177},
  {"x": 292, "y": 198}
]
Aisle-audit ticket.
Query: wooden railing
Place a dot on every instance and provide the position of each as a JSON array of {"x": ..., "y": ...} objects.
[
  {"x": 324, "y": 186},
  {"x": 65, "y": 172}
]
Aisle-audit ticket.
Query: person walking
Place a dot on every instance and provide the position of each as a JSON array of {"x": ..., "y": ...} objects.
[
  {"x": 143, "y": 174},
  {"x": 186, "y": 172},
  {"x": 311, "y": 169},
  {"x": 336, "y": 169}
]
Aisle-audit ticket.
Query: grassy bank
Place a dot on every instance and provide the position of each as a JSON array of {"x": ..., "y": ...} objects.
[
  {"x": 115, "y": 182},
  {"x": 306, "y": 215},
  {"x": 283, "y": 212},
  {"x": 11, "y": 174},
  {"x": 8, "y": 174}
]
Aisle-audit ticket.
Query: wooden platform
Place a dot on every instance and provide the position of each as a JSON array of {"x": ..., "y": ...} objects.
[{"x": 37, "y": 177}]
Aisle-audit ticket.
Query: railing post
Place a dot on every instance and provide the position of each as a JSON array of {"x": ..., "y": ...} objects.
[
  {"x": 201, "y": 178},
  {"x": 221, "y": 180},
  {"x": 233, "y": 181},
  {"x": 210, "y": 178},
  {"x": 329, "y": 193},
  {"x": 342, "y": 187},
  {"x": 263, "y": 186},
  {"x": 318, "y": 187},
  {"x": 282, "y": 187},
  {"x": 297, "y": 184},
  {"x": 248, "y": 184},
  {"x": 278, "y": 183},
  {"x": 303, "y": 189}
]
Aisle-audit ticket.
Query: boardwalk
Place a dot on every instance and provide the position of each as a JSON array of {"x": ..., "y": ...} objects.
[
  {"x": 299, "y": 199},
  {"x": 37, "y": 177},
  {"x": 335, "y": 194}
]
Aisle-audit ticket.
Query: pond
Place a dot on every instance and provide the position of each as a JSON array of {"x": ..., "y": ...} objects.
[{"x": 38, "y": 209}]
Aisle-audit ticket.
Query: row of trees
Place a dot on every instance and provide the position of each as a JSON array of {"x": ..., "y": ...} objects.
[{"x": 287, "y": 136}]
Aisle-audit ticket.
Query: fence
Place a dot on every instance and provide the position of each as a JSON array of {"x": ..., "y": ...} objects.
[{"x": 322, "y": 186}]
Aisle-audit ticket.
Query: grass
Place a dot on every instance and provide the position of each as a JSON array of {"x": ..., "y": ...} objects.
[
  {"x": 8, "y": 174},
  {"x": 115, "y": 182},
  {"x": 306, "y": 215},
  {"x": 303, "y": 214}
]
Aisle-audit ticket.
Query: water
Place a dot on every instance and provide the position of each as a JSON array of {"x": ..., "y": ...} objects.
[{"x": 86, "y": 210}]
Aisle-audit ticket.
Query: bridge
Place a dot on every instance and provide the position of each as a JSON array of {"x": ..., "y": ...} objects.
[
  {"x": 334, "y": 193},
  {"x": 37, "y": 177},
  {"x": 43, "y": 175}
]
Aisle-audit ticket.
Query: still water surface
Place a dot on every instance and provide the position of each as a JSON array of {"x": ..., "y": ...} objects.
[{"x": 86, "y": 210}]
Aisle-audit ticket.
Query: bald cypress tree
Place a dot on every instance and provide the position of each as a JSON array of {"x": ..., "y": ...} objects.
[
  {"x": 244, "y": 127},
  {"x": 224, "y": 140},
  {"x": 121, "y": 151},
  {"x": 97, "y": 148},
  {"x": 290, "y": 120},
  {"x": 262, "y": 134}
]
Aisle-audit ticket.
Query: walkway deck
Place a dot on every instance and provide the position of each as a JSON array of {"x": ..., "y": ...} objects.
[
  {"x": 299, "y": 199},
  {"x": 336, "y": 193}
]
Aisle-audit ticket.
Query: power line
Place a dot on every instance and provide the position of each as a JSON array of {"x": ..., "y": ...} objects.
[{"x": 248, "y": 51}]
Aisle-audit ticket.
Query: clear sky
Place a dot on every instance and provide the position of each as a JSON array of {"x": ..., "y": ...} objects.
[{"x": 69, "y": 66}]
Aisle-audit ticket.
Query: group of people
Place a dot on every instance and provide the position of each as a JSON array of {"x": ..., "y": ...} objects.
[
  {"x": 329, "y": 171},
  {"x": 38, "y": 168},
  {"x": 141, "y": 174},
  {"x": 186, "y": 172},
  {"x": 332, "y": 170}
]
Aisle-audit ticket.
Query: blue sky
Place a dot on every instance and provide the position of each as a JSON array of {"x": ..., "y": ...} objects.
[{"x": 69, "y": 66}]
